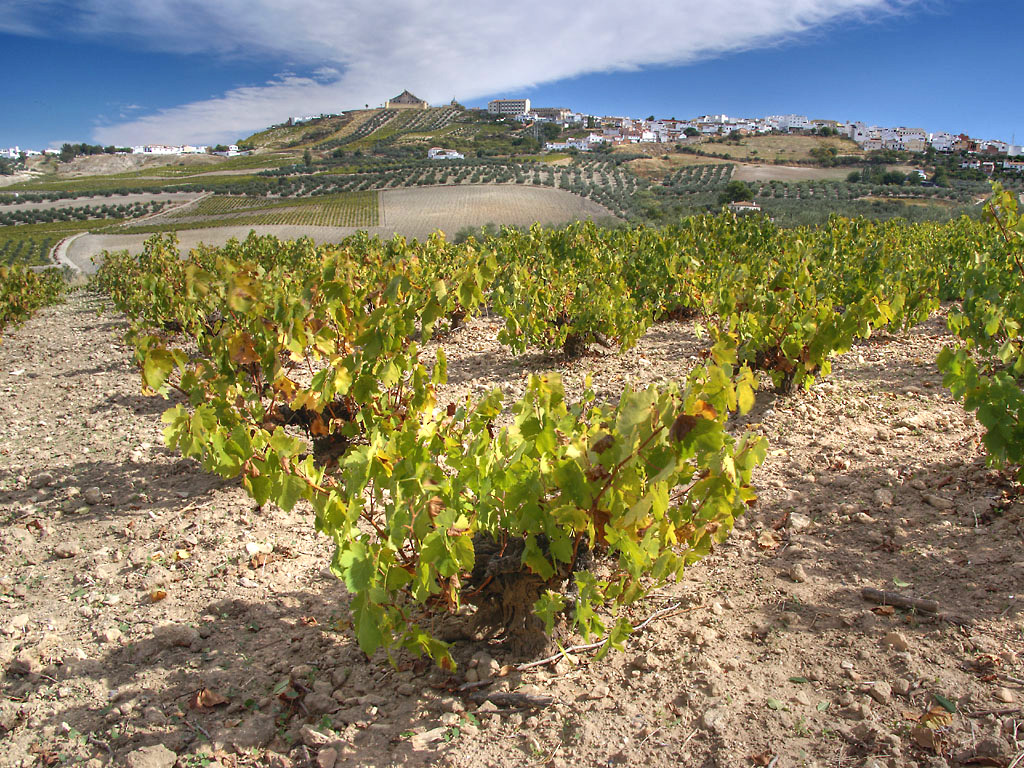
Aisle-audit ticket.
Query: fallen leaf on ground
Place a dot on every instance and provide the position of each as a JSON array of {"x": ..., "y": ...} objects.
[{"x": 206, "y": 699}]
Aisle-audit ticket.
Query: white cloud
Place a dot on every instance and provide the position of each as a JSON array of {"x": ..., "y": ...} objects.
[{"x": 363, "y": 51}]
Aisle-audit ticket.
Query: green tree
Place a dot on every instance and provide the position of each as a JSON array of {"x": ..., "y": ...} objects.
[
  {"x": 691, "y": 131},
  {"x": 307, "y": 158},
  {"x": 734, "y": 192}
]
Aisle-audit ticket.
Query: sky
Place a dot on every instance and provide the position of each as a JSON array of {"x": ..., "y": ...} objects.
[{"x": 128, "y": 72}]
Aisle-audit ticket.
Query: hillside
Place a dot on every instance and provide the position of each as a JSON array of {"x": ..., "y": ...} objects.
[{"x": 383, "y": 131}]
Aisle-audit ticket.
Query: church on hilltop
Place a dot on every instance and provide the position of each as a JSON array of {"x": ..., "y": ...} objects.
[{"x": 405, "y": 100}]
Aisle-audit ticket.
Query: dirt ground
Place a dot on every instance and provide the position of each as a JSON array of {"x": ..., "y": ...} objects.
[
  {"x": 412, "y": 212},
  {"x": 749, "y": 172},
  {"x": 102, "y": 165},
  {"x": 151, "y": 615}
]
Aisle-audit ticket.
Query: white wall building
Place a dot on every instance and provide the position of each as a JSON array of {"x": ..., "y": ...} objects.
[
  {"x": 942, "y": 141},
  {"x": 439, "y": 153},
  {"x": 508, "y": 106}
]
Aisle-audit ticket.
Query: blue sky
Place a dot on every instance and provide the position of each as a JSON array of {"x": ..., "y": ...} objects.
[{"x": 109, "y": 71}]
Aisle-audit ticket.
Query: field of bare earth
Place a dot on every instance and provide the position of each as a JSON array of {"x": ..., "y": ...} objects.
[
  {"x": 750, "y": 172},
  {"x": 412, "y": 212}
]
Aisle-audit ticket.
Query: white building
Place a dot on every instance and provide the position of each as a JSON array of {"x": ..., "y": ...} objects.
[
  {"x": 156, "y": 149},
  {"x": 508, "y": 106},
  {"x": 439, "y": 153},
  {"x": 11, "y": 153},
  {"x": 942, "y": 141},
  {"x": 787, "y": 123}
]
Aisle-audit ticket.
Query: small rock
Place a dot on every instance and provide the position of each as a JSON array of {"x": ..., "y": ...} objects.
[
  {"x": 319, "y": 703},
  {"x": 901, "y": 686},
  {"x": 42, "y": 480},
  {"x": 253, "y": 732},
  {"x": 109, "y": 635},
  {"x": 880, "y": 692},
  {"x": 937, "y": 502},
  {"x": 717, "y": 609},
  {"x": 856, "y": 711},
  {"x": 156, "y": 756},
  {"x": 405, "y": 689},
  {"x": 67, "y": 549},
  {"x": 302, "y": 673},
  {"x": 175, "y": 635},
  {"x": 883, "y": 497},
  {"x": 421, "y": 741},
  {"x": 710, "y": 717},
  {"x": 991, "y": 747},
  {"x": 313, "y": 738},
  {"x": 896, "y": 641},
  {"x": 798, "y": 522},
  {"x": 327, "y": 757},
  {"x": 449, "y": 719},
  {"x": 863, "y": 517},
  {"x": 798, "y": 574},
  {"x": 802, "y": 697},
  {"x": 1004, "y": 695},
  {"x": 92, "y": 496}
]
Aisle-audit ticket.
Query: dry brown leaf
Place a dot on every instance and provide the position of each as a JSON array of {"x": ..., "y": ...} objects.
[
  {"x": 884, "y": 610},
  {"x": 925, "y": 738},
  {"x": 309, "y": 621},
  {"x": 768, "y": 540},
  {"x": 986, "y": 661},
  {"x": 157, "y": 595},
  {"x": 936, "y": 717},
  {"x": 206, "y": 699},
  {"x": 262, "y": 559},
  {"x": 765, "y": 758},
  {"x": 181, "y": 554}
]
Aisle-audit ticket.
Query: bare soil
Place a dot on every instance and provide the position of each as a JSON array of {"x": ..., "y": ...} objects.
[
  {"x": 748, "y": 172},
  {"x": 412, "y": 212},
  {"x": 104, "y": 165},
  {"x": 144, "y": 602}
]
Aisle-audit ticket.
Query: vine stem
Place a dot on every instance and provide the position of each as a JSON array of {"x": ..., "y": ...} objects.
[{"x": 594, "y": 646}]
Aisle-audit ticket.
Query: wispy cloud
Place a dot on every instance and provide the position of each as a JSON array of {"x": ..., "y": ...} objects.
[{"x": 363, "y": 51}]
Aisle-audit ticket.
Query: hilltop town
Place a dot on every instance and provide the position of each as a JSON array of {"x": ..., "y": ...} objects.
[{"x": 613, "y": 131}]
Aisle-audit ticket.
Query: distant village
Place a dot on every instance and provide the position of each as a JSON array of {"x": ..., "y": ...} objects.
[
  {"x": 232, "y": 150},
  {"x": 628, "y": 130},
  {"x": 616, "y": 131}
]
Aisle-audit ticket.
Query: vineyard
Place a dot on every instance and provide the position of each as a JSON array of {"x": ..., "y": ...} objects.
[
  {"x": 587, "y": 495},
  {"x": 23, "y": 291},
  {"x": 30, "y": 244},
  {"x": 308, "y": 383},
  {"x": 347, "y": 209}
]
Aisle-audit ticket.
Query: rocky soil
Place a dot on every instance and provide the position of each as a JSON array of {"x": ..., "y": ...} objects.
[{"x": 150, "y": 615}]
